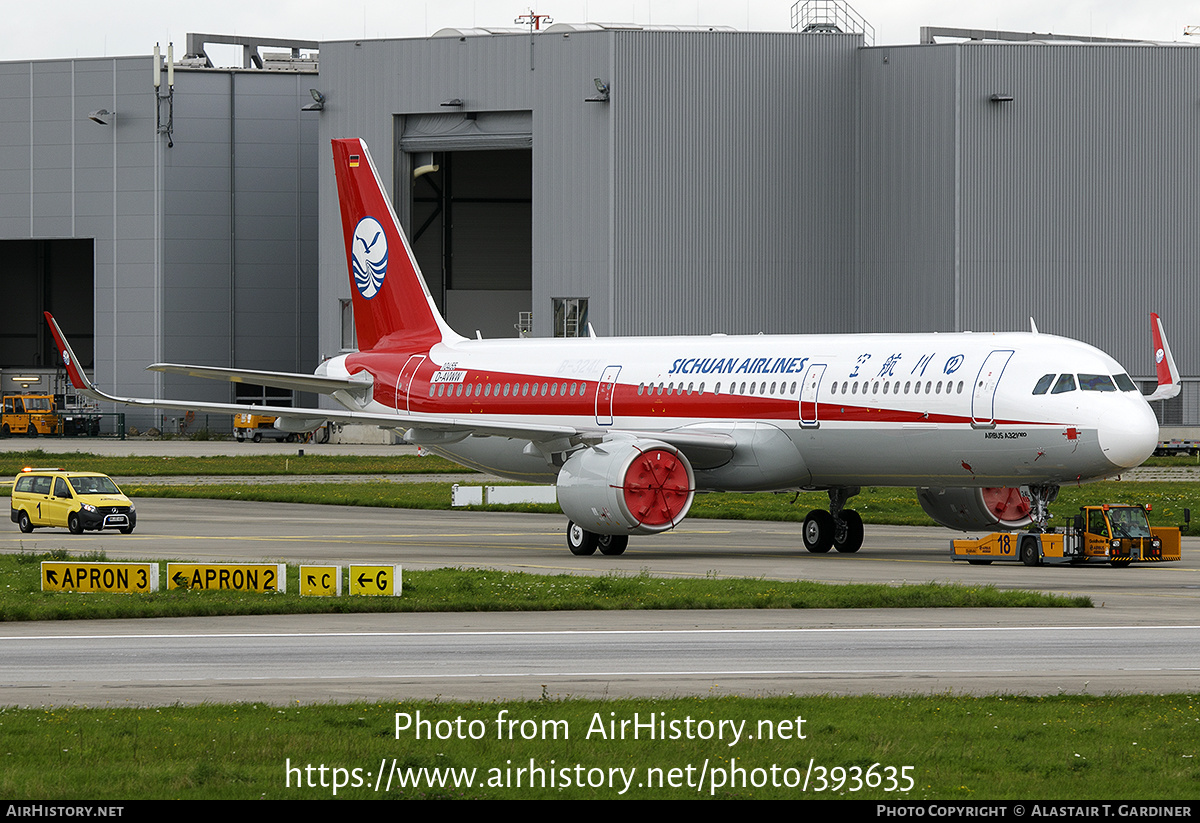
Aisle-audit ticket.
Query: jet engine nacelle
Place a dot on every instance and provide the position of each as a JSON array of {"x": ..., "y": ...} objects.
[
  {"x": 626, "y": 486},
  {"x": 977, "y": 509}
]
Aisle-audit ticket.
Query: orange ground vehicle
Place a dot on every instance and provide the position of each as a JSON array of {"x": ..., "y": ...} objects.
[
  {"x": 31, "y": 414},
  {"x": 257, "y": 426},
  {"x": 1117, "y": 535}
]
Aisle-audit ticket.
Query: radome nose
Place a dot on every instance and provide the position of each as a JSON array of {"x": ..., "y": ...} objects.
[{"x": 1127, "y": 439}]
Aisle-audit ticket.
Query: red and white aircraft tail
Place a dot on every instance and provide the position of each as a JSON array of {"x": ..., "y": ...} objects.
[{"x": 393, "y": 308}]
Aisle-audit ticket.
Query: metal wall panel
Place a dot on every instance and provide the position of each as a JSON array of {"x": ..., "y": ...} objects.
[
  {"x": 1071, "y": 203},
  {"x": 715, "y": 176},
  {"x": 732, "y": 161},
  {"x": 240, "y": 252},
  {"x": 1081, "y": 196},
  {"x": 372, "y": 86},
  {"x": 160, "y": 218},
  {"x": 73, "y": 174},
  {"x": 905, "y": 217}
]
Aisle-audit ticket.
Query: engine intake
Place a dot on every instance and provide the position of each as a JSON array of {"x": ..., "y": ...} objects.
[
  {"x": 626, "y": 487},
  {"x": 970, "y": 509}
]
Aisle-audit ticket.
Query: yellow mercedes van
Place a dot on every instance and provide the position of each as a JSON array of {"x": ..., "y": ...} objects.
[{"x": 79, "y": 501}]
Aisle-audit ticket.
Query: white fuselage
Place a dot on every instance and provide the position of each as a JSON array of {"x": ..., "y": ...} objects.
[{"x": 806, "y": 410}]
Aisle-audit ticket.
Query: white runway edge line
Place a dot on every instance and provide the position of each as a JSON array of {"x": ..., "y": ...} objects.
[{"x": 597, "y": 632}]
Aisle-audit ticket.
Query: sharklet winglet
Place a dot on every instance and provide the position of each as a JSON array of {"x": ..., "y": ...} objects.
[{"x": 1169, "y": 381}]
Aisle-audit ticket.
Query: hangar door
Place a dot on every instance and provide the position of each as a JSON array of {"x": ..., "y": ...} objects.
[
  {"x": 45, "y": 275},
  {"x": 470, "y": 183}
]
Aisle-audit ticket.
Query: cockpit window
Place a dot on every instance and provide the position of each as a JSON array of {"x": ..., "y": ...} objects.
[
  {"x": 1096, "y": 382},
  {"x": 1043, "y": 385},
  {"x": 1124, "y": 383},
  {"x": 1066, "y": 383}
]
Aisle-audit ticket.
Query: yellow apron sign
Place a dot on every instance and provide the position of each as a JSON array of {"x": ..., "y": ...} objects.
[
  {"x": 321, "y": 581},
  {"x": 242, "y": 577},
  {"x": 60, "y": 576},
  {"x": 375, "y": 580}
]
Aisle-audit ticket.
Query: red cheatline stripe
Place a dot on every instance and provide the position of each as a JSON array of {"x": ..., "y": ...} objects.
[{"x": 628, "y": 403}]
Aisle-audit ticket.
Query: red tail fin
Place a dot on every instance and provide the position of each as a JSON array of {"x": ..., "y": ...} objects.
[{"x": 392, "y": 304}]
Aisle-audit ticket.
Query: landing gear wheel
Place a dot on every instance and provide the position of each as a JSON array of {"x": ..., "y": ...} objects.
[
  {"x": 818, "y": 531},
  {"x": 74, "y": 525},
  {"x": 580, "y": 541},
  {"x": 612, "y": 544},
  {"x": 848, "y": 538},
  {"x": 24, "y": 523},
  {"x": 1029, "y": 552}
]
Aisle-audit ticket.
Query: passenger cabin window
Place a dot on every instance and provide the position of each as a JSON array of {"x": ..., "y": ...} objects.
[
  {"x": 1066, "y": 383},
  {"x": 1096, "y": 382},
  {"x": 1043, "y": 385}
]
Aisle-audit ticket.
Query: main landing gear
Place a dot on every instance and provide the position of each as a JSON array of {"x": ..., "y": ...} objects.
[
  {"x": 839, "y": 528},
  {"x": 582, "y": 542}
]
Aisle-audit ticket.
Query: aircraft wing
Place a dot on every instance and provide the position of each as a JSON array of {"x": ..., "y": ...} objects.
[{"x": 418, "y": 429}]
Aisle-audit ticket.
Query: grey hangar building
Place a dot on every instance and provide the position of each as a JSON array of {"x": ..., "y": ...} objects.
[{"x": 637, "y": 180}]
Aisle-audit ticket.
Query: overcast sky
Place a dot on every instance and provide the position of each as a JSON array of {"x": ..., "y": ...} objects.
[{"x": 96, "y": 28}]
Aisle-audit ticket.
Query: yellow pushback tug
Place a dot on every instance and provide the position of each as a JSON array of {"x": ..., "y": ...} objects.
[{"x": 1118, "y": 535}]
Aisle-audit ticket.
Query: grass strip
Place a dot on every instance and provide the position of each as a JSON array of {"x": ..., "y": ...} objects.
[
  {"x": 487, "y": 590},
  {"x": 1071, "y": 748},
  {"x": 248, "y": 464},
  {"x": 877, "y": 505},
  {"x": 313, "y": 462}
]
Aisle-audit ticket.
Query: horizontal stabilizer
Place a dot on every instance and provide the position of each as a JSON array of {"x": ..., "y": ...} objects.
[{"x": 320, "y": 384}]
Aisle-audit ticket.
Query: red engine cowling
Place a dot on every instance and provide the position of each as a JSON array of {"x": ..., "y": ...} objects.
[
  {"x": 626, "y": 487},
  {"x": 977, "y": 509}
]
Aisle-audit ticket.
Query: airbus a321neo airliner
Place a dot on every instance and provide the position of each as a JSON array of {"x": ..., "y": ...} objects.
[{"x": 986, "y": 427}]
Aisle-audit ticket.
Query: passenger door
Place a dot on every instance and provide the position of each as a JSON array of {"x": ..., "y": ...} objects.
[
  {"x": 58, "y": 502},
  {"x": 809, "y": 394},
  {"x": 604, "y": 396},
  {"x": 983, "y": 396}
]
